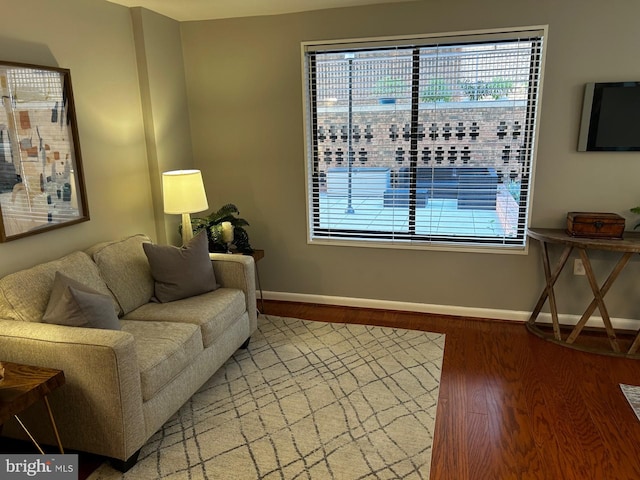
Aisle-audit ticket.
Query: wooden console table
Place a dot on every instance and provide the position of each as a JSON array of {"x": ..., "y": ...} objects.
[
  {"x": 625, "y": 247},
  {"x": 24, "y": 385}
]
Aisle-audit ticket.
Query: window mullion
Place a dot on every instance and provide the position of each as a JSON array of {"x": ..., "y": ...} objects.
[{"x": 413, "y": 147}]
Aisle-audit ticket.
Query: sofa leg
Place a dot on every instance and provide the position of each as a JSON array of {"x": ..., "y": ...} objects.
[
  {"x": 245, "y": 345},
  {"x": 125, "y": 465}
]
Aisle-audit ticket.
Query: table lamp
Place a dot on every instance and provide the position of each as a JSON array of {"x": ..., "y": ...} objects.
[{"x": 183, "y": 193}]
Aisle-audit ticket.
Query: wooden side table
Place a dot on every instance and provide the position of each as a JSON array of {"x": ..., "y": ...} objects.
[
  {"x": 24, "y": 385},
  {"x": 626, "y": 248}
]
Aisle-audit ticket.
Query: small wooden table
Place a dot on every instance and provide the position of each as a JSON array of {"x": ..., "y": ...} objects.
[
  {"x": 625, "y": 247},
  {"x": 24, "y": 385}
]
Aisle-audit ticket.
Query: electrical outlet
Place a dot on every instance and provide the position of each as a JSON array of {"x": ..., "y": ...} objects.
[{"x": 578, "y": 267}]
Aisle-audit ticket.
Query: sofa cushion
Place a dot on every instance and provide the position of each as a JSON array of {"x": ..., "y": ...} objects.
[
  {"x": 125, "y": 270},
  {"x": 212, "y": 311},
  {"x": 164, "y": 350},
  {"x": 76, "y": 305},
  {"x": 181, "y": 272},
  {"x": 24, "y": 295}
]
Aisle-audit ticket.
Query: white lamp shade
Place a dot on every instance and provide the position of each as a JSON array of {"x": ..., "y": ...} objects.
[{"x": 183, "y": 192}]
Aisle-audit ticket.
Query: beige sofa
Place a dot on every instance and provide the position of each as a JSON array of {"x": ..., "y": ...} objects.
[{"x": 123, "y": 385}]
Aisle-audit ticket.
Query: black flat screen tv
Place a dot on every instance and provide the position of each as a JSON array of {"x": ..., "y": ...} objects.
[{"x": 610, "y": 117}]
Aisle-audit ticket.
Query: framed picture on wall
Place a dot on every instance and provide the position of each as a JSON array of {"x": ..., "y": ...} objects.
[{"x": 41, "y": 177}]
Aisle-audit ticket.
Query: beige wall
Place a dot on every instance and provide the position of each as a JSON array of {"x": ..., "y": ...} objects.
[
  {"x": 129, "y": 89},
  {"x": 243, "y": 83},
  {"x": 95, "y": 41},
  {"x": 245, "y": 100},
  {"x": 164, "y": 101}
]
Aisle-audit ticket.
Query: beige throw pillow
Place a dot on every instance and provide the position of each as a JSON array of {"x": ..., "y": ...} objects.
[
  {"x": 76, "y": 305},
  {"x": 181, "y": 272}
]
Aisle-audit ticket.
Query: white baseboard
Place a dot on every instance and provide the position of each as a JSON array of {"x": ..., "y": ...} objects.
[{"x": 474, "y": 312}]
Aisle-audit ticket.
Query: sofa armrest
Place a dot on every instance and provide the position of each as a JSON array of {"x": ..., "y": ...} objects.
[
  {"x": 100, "y": 405},
  {"x": 238, "y": 271}
]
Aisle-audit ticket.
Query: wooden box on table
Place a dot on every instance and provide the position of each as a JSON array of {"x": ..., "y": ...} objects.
[{"x": 595, "y": 225}]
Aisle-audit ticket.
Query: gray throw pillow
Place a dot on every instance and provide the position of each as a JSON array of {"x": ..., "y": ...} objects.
[
  {"x": 181, "y": 272},
  {"x": 73, "y": 304}
]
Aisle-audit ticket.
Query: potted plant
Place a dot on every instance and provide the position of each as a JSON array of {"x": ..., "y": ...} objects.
[{"x": 213, "y": 225}]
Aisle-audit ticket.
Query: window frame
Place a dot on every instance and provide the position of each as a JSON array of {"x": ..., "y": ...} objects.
[{"x": 408, "y": 41}]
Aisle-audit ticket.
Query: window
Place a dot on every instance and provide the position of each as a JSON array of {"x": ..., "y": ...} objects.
[{"x": 422, "y": 141}]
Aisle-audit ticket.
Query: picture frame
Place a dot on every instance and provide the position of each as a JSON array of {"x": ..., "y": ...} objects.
[{"x": 41, "y": 177}]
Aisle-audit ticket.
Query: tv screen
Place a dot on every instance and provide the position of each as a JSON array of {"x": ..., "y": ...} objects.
[{"x": 610, "y": 117}]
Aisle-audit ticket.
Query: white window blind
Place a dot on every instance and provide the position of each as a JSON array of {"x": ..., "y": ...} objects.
[{"x": 422, "y": 141}]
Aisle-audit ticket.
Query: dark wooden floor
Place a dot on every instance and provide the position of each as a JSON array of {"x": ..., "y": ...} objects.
[
  {"x": 511, "y": 407},
  {"x": 514, "y": 406}
]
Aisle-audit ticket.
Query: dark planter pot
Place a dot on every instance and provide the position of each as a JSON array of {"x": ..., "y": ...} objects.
[{"x": 216, "y": 247}]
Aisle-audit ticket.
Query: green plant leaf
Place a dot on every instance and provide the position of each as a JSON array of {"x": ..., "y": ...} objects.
[{"x": 212, "y": 223}]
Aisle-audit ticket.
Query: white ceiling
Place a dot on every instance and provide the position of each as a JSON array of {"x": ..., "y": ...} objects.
[{"x": 184, "y": 10}]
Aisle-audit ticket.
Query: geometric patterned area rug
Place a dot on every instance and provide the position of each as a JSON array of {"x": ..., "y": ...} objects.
[
  {"x": 306, "y": 400},
  {"x": 633, "y": 397}
]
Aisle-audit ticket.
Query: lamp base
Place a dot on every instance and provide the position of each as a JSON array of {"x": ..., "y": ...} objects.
[{"x": 187, "y": 229}]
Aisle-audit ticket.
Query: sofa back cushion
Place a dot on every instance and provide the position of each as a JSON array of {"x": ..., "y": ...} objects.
[
  {"x": 181, "y": 272},
  {"x": 125, "y": 269},
  {"x": 24, "y": 295}
]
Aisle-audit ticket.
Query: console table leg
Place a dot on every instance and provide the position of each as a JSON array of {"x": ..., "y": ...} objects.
[
  {"x": 594, "y": 303},
  {"x": 552, "y": 297},
  {"x": 625, "y": 248},
  {"x": 634, "y": 345},
  {"x": 548, "y": 293},
  {"x": 600, "y": 301},
  {"x": 550, "y": 280}
]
